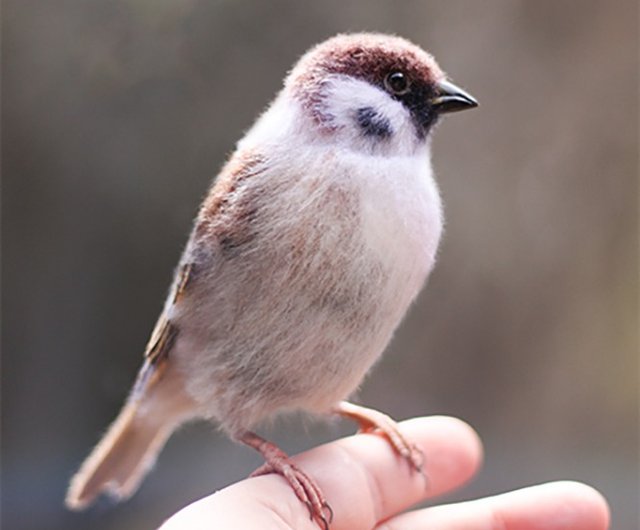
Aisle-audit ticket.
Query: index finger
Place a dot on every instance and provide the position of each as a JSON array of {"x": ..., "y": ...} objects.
[
  {"x": 366, "y": 482},
  {"x": 363, "y": 479}
]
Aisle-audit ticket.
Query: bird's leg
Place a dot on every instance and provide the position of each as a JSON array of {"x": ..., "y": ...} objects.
[
  {"x": 305, "y": 488},
  {"x": 371, "y": 420}
]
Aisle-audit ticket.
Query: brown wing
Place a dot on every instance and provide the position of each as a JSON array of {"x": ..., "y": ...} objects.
[
  {"x": 223, "y": 220},
  {"x": 162, "y": 338},
  {"x": 227, "y": 211}
]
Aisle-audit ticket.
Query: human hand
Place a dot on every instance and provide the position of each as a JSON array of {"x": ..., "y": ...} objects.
[{"x": 368, "y": 487}]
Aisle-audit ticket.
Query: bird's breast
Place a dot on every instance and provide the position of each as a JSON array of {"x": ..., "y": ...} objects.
[
  {"x": 401, "y": 223},
  {"x": 295, "y": 314}
]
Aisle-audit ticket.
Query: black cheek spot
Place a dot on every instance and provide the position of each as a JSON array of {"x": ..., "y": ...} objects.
[{"x": 372, "y": 124}]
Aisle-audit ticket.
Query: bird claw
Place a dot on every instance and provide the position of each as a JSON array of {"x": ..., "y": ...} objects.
[
  {"x": 373, "y": 421},
  {"x": 305, "y": 488},
  {"x": 327, "y": 507},
  {"x": 321, "y": 517}
]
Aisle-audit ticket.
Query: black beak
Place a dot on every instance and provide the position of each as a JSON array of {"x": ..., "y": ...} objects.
[{"x": 450, "y": 98}]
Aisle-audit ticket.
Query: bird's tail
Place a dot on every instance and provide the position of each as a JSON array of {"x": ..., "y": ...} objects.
[{"x": 129, "y": 449}]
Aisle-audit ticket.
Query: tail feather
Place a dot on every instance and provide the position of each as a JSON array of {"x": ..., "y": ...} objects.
[
  {"x": 129, "y": 449},
  {"x": 120, "y": 461}
]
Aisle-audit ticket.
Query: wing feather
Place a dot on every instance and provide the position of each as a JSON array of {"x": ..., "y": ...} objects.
[{"x": 223, "y": 220}]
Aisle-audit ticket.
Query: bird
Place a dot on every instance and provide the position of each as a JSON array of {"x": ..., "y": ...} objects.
[{"x": 313, "y": 241}]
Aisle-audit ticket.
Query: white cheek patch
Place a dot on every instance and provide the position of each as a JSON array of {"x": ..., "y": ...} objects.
[
  {"x": 364, "y": 113},
  {"x": 346, "y": 95}
]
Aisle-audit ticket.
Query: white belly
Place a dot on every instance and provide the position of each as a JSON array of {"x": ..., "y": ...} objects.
[
  {"x": 401, "y": 225},
  {"x": 296, "y": 319},
  {"x": 402, "y": 221}
]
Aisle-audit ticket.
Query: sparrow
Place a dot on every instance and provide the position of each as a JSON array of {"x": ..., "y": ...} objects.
[{"x": 312, "y": 243}]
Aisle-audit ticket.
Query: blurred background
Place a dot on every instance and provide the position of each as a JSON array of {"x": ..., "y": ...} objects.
[{"x": 117, "y": 113}]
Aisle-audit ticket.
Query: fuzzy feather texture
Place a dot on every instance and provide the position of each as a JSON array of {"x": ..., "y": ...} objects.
[{"x": 308, "y": 250}]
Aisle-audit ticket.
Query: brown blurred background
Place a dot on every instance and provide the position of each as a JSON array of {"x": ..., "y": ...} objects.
[{"x": 117, "y": 113}]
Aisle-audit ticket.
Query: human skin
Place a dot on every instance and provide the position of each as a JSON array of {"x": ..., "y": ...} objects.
[{"x": 369, "y": 487}]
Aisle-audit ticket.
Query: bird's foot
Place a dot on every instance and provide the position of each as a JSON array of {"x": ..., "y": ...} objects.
[
  {"x": 305, "y": 487},
  {"x": 371, "y": 420}
]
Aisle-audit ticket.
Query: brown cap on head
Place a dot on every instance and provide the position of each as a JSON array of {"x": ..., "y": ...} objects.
[
  {"x": 368, "y": 56},
  {"x": 403, "y": 70}
]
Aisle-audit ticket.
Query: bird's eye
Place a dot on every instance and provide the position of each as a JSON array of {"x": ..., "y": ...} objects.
[{"x": 397, "y": 83}]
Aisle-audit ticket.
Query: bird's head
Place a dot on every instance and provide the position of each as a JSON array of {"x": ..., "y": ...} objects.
[{"x": 377, "y": 93}]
